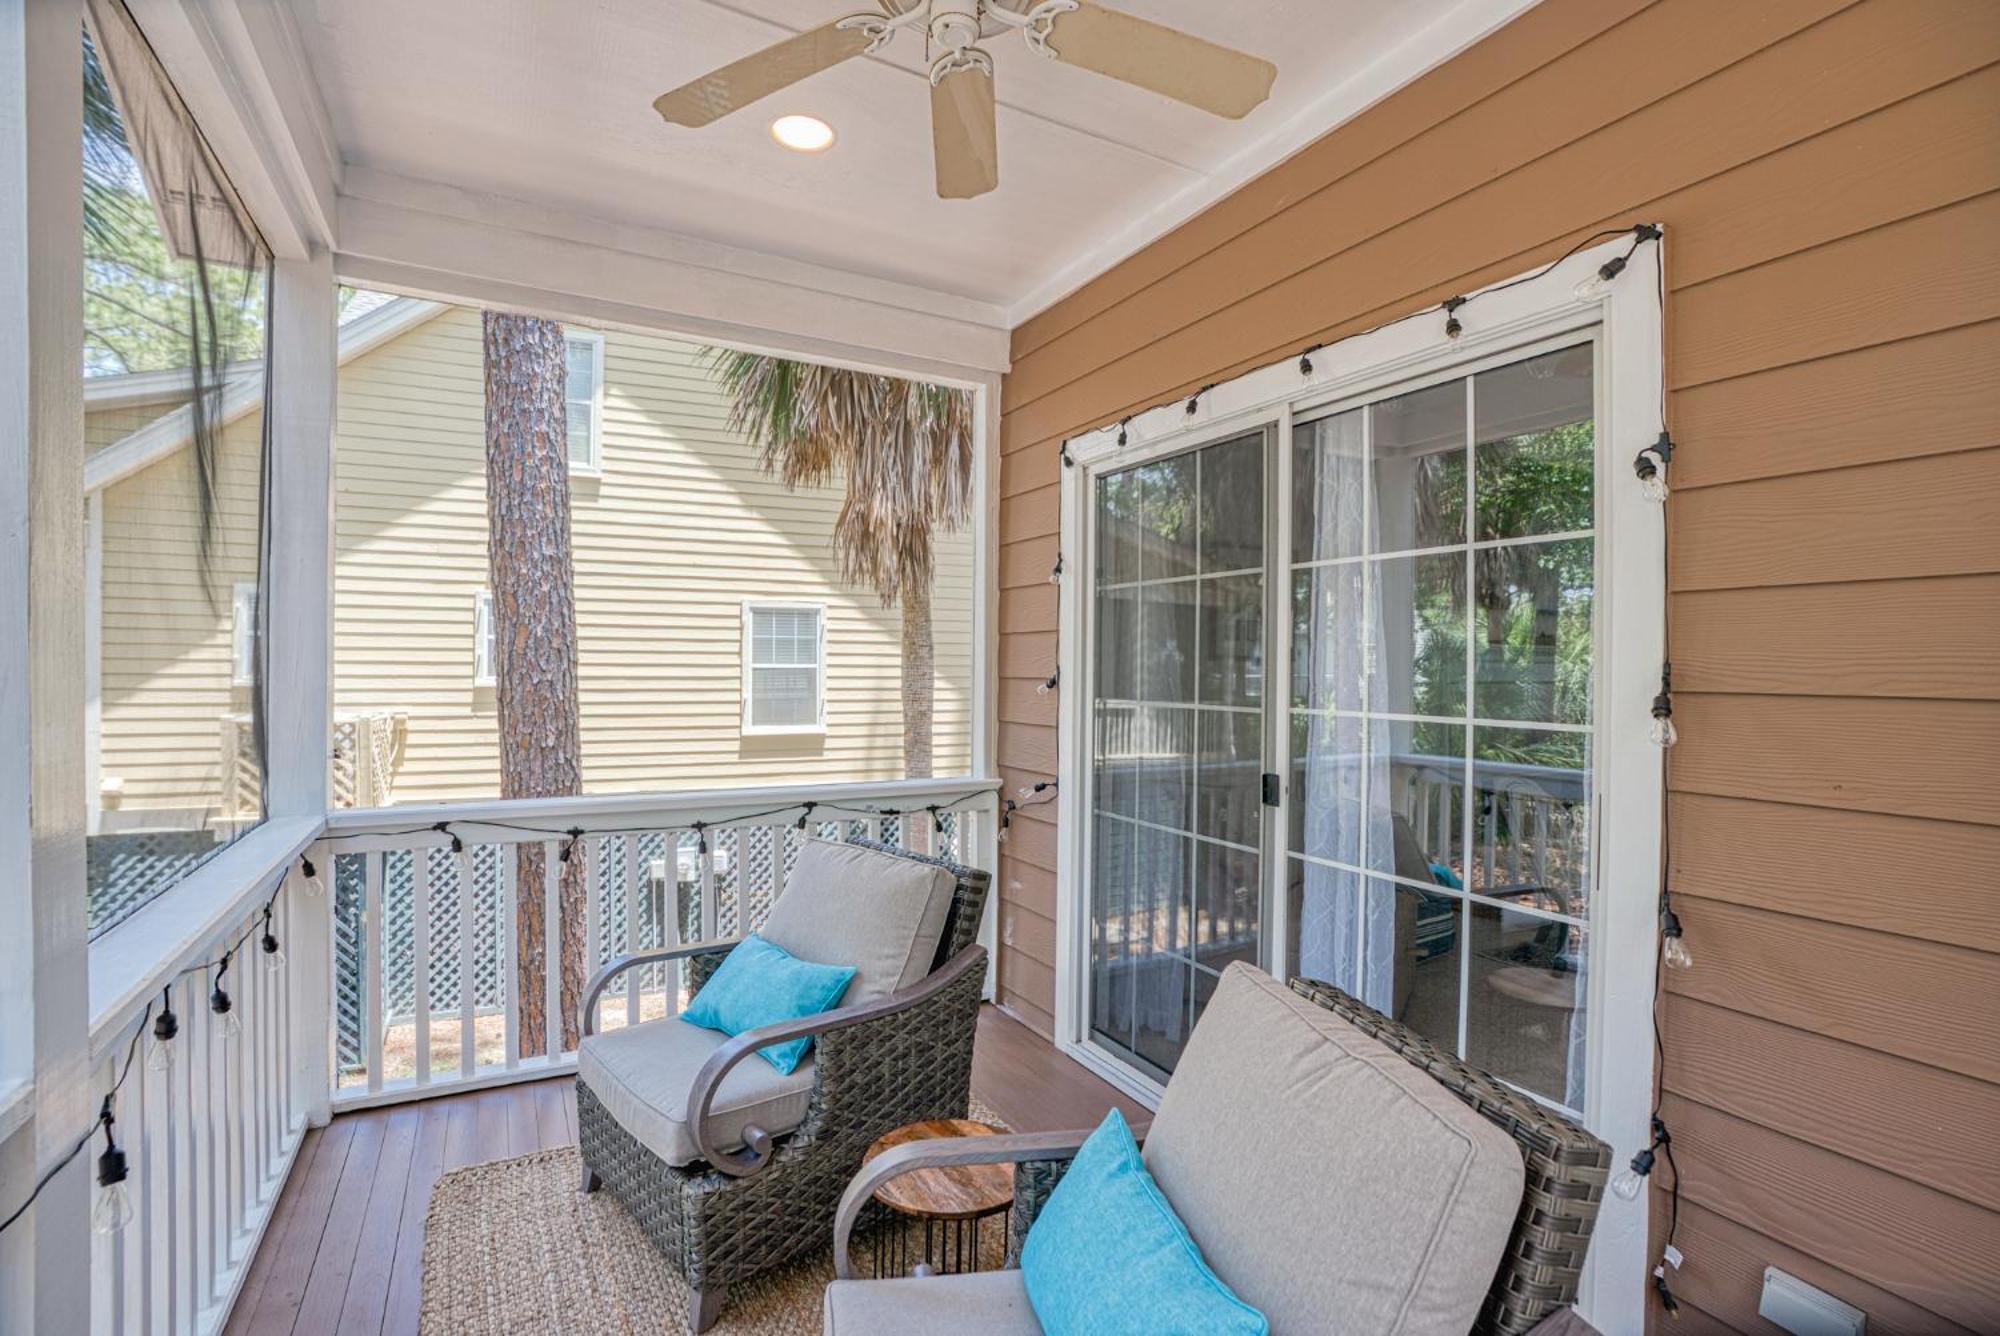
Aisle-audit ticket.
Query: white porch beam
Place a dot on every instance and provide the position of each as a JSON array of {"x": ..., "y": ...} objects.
[
  {"x": 44, "y": 1001},
  {"x": 433, "y": 240}
]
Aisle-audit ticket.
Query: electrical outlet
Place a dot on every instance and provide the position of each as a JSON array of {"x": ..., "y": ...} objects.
[{"x": 1790, "y": 1303}]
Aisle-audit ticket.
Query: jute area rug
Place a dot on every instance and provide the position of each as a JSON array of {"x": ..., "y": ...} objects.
[{"x": 512, "y": 1247}]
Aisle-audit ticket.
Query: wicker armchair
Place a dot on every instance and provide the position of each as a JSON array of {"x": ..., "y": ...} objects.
[
  {"x": 736, "y": 1212},
  {"x": 1565, "y": 1170}
]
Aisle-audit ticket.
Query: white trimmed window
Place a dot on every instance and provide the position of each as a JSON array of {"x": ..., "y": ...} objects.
[
  {"x": 484, "y": 661},
  {"x": 584, "y": 392},
  {"x": 784, "y": 667},
  {"x": 243, "y": 636}
]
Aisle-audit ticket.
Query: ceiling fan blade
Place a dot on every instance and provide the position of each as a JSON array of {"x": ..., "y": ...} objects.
[
  {"x": 962, "y": 134},
  {"x": 1166, "y": 60},
  {"x": 742, "y": 82}
]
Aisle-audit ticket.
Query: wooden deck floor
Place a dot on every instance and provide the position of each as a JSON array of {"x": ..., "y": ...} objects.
[{"x": 344, "y": 1249}]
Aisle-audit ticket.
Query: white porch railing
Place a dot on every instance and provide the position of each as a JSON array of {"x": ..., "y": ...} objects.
[
  {"x": 426, "y": 971},
  {"x": 209, "y": 1122}
]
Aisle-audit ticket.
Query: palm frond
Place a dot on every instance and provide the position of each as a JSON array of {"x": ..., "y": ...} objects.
[{"x": 904, "y": 448}]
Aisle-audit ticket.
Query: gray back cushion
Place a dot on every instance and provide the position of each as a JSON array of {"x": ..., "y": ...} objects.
[
  {"x": 1328, "y": 1181},
  {"x": 877, "y": 912}
]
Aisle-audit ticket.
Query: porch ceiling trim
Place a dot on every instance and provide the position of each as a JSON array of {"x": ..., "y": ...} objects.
[{"x": 440, "y": 240}]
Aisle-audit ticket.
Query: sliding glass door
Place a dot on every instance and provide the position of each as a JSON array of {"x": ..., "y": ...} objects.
[
  {"x": 1435, "y": 570},
  {"x": 1178, "y": 741}
]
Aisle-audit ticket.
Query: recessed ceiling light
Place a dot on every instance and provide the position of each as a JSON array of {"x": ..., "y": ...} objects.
[{"x": 803, "y": 134}]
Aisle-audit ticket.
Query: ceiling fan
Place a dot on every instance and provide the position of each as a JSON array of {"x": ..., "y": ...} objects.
[{"x": 1076, "y": 32}]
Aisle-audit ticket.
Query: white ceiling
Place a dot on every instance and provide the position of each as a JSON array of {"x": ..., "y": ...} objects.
[{"x": 548, "y": 102}]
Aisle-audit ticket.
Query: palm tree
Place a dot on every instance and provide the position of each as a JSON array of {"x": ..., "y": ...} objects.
[{"x": 905, "y": 449}]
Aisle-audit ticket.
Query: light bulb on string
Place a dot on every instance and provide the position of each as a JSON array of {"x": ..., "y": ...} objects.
[
  {"x": 220, "y": 1003},
  {"x": 1662, "y": 731},
  {"x": 274, "y": 951},
  {"x": 313, "y": 884},
  {"x": 1650, "y": 466},
  {"x": 166, "y": 1027},
  {"x": 1600, "y": 280},
  {"x": 113, "y": 1209},
  {"x": 1673, "y": 938}
]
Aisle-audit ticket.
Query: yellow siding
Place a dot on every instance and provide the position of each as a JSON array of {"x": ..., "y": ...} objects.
[
  {"x": 680, "y": 528},
  {"x": 165, "y": 639}
]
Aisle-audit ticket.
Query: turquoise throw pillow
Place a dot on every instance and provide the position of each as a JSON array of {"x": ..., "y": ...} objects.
[
  {"x": 1108, "y": 1256},
  {"x": 758, "y": 983}
]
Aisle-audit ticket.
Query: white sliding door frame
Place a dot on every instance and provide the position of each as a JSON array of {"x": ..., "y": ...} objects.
[{"x": 1623, "y": 321}]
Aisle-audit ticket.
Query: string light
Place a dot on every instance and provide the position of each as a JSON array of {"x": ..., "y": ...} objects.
[
  {"x": 805, "y": 814},
  {"x": 274, "y": 952},
  {"x": 113, "y": 1210},
  {"x": 1306, "y": 361},
  {"x": 574, "y": 833},
  {"x": 1662, "y": 732},
  {"x": 313, "y": 884},
  {"x": 1651, "y": 466},
  {"x": 1123, "y": 437},
  {"x": 701, "y": 837},
  {"x": 1055, "y": 572},
  {"x": 219, "y": 1001},
  {"x": 1631, "y": 1180},
  {"x": 1673, "y": 941},
  {"x": 937, "y": 819},
  {"x": 1064, "y": 455},
  {"x": 1050, "y": 685},
  {"x": 166, "y": 1027},
  {"x": 1452, "y": 326}
]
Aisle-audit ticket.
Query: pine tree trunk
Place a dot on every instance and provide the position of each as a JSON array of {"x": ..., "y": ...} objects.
[
  {"x": 919, "y": 683},
  {"x": 534, "y": 635}
]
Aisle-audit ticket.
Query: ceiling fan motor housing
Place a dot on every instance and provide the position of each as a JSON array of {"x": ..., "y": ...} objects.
[{"x": 955, "y": 24}]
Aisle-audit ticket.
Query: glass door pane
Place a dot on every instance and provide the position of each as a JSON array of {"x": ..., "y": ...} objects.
[
  {"x": 1177, "y": 742},
  {"x": 1442, "y": 574}
]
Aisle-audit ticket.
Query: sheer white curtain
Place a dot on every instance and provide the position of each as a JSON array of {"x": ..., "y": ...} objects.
[{"x": 1346, "y": 928}]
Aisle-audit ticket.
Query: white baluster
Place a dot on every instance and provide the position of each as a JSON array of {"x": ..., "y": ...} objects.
[
  {"x": 373, "y": 1001},
  {"x": 633, "y": 890},
  {"x": 467, "y": 990},
  {"x": 590, "y": 850},
  {"x": 552, "y": 948},
  {"x": 510, "y": 952},
  {"x": 420, "y": 958}
]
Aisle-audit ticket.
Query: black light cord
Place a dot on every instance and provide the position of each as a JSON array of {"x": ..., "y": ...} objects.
[
  {"x": 100, "y": 1121},
  {"x": 571, "y": 834},
  {"x": 1640, "y": 233}
]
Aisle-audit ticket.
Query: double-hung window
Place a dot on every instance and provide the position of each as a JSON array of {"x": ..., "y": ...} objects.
[
  {"x": 583, "y": 393},
  {"x": 784, "y": 667}
]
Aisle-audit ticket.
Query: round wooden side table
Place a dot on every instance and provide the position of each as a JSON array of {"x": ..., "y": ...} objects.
[{"x": 950, "y": 1201}]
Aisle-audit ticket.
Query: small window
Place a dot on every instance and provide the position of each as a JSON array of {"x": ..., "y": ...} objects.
[
  {"x": 784, "y": 667},
  {"x": 584, "y": 391},
  {"x": 243, "y": 636},
  {"x": 483, "y": 659}
]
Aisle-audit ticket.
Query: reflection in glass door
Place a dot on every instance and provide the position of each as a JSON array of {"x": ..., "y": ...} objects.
[
  {"x": 1443, "y": 583},
  {"x": 1177, "y": 828}
]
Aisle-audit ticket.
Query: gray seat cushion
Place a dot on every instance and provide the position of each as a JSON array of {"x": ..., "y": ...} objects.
[
  {"x": 861, "y": 907},
  {"x": 983, "y": 1303},
  {"x": 1284, "y": 1126},
  {"x": 642, "y": 1075}
]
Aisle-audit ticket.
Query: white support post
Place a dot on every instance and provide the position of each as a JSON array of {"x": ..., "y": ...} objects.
[
  {"x": 298, "y": 696},
  {"x": 44, "y": 997},
  {"x": 299, "y": 607}
]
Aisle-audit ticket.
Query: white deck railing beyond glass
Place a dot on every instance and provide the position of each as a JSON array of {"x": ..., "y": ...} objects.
[{"x": 425, "y": 902}]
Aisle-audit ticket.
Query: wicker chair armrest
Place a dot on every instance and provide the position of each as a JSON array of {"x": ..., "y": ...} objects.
[
  {"x": 1015, "y": 1148},
  {"x": 757, "y": 1146},
  {"x": 587, "y": 1021}
]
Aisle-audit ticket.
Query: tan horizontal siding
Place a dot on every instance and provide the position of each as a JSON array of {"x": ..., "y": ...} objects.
[
  {"x": 682, "y": 526},
  {"x": 1829, "y": 173}
]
